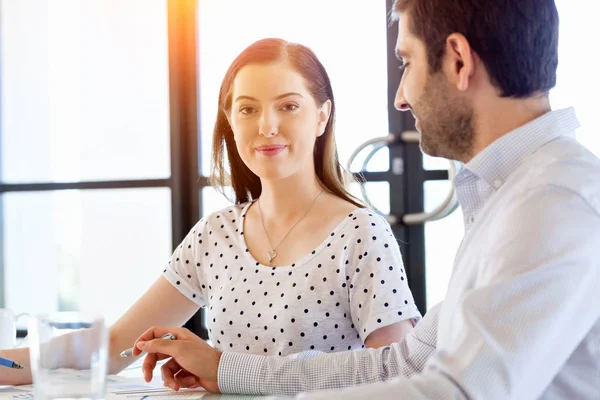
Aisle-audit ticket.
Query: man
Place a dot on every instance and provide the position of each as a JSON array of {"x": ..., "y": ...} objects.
[{"x": 521, "y": 318}]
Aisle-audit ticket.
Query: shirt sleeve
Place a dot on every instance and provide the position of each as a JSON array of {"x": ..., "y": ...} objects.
[
  {"x": 308, "y": 371},
  {"x": 535, "y": 301},
  {"x": 378, "y": 289},
  {"x": 184, "y": 270}
]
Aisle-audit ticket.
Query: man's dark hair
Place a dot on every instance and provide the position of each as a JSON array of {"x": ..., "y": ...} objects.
[{"x": 517, "y": 40}]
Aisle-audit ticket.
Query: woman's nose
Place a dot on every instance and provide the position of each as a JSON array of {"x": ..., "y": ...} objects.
[{"x": 268, "y": 125}]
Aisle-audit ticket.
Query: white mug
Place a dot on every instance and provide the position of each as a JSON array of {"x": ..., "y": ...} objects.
[{"x": 8, "y": 328}]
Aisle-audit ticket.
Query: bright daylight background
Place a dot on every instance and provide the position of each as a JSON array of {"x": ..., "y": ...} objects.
[{"x": 85, "y": 97}]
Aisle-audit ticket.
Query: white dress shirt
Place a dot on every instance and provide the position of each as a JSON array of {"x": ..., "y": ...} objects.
[
  {"x": 521, "y": 318},
  {"x": 306, "y": 371}
]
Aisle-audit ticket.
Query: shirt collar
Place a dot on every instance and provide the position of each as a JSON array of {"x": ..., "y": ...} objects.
[{"x": 495, "y": 163}]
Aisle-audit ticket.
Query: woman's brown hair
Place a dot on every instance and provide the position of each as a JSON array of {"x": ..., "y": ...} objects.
[{"x": 246, "y": 185}]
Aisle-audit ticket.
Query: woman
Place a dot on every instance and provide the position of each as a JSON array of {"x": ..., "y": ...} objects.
[{"x": 297, "y": 263}]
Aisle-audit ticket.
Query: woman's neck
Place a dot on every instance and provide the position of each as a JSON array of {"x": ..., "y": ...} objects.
[{"x": 284, "y": 200}]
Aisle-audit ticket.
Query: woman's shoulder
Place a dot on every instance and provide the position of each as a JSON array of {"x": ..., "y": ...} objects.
[
  {"x": 227, "y": 215},
  {"x": 234, "y": 210},
  {"x": 363, "y": 226},
  {"x": 369, "y": 219},
  {"x": 351, "y": 214}
]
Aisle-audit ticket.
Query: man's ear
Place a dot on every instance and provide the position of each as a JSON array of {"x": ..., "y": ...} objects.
[{"x": 459, "y": 61}]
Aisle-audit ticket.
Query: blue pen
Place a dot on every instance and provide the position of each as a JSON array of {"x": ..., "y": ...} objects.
[{"x": 10, "y": 364}]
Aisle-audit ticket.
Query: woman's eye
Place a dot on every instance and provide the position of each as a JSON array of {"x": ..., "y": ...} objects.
[
  {"x": 290, "y": 107},
  {"x": 246, "y": 110}
]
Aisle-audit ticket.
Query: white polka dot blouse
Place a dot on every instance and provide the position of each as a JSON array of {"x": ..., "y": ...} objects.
[{"x": 330, "y": 300}]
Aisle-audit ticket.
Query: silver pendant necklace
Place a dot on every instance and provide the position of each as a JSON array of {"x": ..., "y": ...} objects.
[{"x": 271, "y": 254}]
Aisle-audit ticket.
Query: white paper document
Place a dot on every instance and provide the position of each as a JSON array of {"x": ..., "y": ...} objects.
[{"x": 117, "y": 388}]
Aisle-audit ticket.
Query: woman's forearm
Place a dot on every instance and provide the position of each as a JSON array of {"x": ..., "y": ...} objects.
[
  {"x": 162, "y": 305},
  {"x": 75, "y": 352},
  {"x": 9, "y": 376}
]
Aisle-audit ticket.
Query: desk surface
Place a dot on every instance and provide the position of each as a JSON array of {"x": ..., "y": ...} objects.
[
  {"x": 131, "y": 380},
  {"x": 135, "y": 371}
]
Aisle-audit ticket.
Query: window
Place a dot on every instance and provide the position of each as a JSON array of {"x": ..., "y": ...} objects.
[
  {"x": 577, "y": 83},
  {"x": 84, "y": 107},
  {"x": 85, "y": 91}
]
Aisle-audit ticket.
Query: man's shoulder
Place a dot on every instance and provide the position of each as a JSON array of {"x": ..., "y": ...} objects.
[{"x": 562, "y": 165}]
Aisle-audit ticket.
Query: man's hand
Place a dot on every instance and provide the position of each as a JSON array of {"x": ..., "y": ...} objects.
[{"x": 193, "y": 363}]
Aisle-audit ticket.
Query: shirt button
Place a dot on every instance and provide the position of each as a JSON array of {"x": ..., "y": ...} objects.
[
  {"x": 498, "y": 183},
  {"x": 471, "y": 219}
]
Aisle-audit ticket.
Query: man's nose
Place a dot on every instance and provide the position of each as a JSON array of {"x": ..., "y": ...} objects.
[{"x": 400, "y": 101}]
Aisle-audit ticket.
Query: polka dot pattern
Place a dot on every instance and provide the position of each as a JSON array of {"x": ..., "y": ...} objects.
[{"x": 330, "y": 300}]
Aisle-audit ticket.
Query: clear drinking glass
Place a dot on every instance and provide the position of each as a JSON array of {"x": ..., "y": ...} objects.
[
  {"x": 69, "y": 356},
  {"x": 8, "y": 328}
]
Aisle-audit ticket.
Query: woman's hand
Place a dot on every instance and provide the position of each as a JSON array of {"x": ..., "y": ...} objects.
[{"x": 193, "y": 362}]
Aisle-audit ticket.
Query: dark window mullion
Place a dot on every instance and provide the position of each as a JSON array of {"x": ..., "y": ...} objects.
[
  {"x": 406, "y": 187},
  {"x": 2, "y": 291},
  {"x": 185, "y": 146},
  {"x": 53, "y": 186},
  {"x": 183, "y": 111},
  {"x": 435, "y": 175},
  {"x": 414, "y": 194}
]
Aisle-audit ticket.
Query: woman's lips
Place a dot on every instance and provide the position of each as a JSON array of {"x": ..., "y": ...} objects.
[{"x": 271, "y": 150}]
